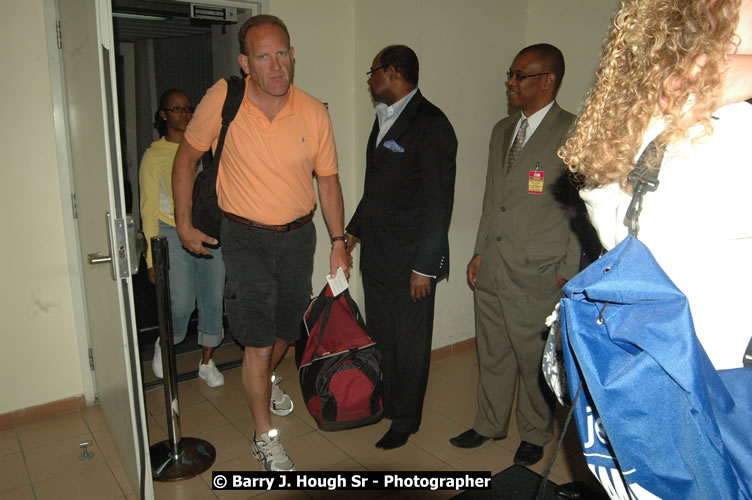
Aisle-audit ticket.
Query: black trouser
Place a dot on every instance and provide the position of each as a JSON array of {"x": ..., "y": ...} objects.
[{"x": 402, "y": 330}]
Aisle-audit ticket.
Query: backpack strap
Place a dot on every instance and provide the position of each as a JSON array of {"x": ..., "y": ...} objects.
[
  {"x": 235, "y": 92},
  {"x": 644, "y": 179}
]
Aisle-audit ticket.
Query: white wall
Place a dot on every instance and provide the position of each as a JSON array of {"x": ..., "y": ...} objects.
[
  {"x": 323, "y": 34},
  {"x": 40, "y": 361},
  {"x": 464, "y": 46},
  {"x": 577, "y": 27}
]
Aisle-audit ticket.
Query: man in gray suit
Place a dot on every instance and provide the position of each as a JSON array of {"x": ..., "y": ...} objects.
[{"x": 524, "y": 252}]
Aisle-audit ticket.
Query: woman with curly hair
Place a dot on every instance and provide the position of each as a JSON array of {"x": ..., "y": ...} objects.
[{"x": 672, "y": 68}]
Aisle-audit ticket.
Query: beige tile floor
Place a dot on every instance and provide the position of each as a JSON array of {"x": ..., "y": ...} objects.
[{"x": 40, "y": 460}]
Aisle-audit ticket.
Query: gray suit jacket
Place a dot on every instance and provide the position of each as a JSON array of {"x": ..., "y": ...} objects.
[{"x": 525, "y": 239}]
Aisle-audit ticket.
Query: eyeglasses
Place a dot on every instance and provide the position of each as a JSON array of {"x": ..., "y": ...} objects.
[
  {"x": 179, "y": 109},
  {"x": 374, "y": 70},
  {"x": 519, "y": 76}
]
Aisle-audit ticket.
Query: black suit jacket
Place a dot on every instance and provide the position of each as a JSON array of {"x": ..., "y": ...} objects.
[{"x": 402, "y": 220}]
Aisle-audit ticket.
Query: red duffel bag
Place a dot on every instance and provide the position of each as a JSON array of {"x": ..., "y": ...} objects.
[{"x": 338, "y": 364}]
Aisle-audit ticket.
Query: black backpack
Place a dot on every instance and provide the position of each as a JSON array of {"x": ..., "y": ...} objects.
[{"x": 205, "y": 214}]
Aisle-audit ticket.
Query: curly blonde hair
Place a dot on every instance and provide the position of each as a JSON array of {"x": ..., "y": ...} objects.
[{"x": 647, "y": 57}]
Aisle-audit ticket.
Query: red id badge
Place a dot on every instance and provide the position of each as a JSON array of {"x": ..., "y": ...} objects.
[{"x": 535, "y": 182}]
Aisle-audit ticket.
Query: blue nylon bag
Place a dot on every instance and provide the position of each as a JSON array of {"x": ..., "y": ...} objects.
[{"x": 655, "y": 419}]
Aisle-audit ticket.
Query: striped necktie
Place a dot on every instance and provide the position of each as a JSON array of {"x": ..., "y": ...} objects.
[{"x": 517, "y": 144}]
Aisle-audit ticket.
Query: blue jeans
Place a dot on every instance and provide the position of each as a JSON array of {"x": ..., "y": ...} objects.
[{"x": 195, "y": 280}]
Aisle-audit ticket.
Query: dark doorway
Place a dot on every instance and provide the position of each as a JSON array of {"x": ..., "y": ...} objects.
[{"x": 162, "y": 45}]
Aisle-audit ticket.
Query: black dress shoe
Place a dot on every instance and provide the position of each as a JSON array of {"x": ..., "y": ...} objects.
[
  {"x": 392, "y": 439},
  {"x": 572, "y": 491},
  {"x": 528, "y": 454},
  {"x": 469, "y": 439}
]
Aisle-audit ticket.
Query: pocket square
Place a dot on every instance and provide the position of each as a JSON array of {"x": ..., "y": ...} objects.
[{"x": 392, "y": 146}]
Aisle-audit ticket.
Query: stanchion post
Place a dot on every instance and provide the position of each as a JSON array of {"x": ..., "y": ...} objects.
[
  {"x": 178, "y": 457},
  {"x": 161, "y": 259}
]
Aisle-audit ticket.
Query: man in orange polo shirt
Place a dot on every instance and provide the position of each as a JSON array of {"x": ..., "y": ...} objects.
[{"x": 280, "y": 138}]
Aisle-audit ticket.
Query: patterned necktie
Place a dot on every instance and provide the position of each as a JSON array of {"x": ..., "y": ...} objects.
[{"x": 517, "y": 144}]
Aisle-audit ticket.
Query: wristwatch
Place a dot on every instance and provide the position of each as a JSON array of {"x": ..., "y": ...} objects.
[{"x": 339, "y": 238}]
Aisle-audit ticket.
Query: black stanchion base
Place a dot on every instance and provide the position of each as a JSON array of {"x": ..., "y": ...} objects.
[{"x": 197, "y": 456}]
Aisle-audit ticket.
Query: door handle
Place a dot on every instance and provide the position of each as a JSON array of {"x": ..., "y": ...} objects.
[
  {"x": 99, "y": 258},
  {"x": 117, "y": 251}
]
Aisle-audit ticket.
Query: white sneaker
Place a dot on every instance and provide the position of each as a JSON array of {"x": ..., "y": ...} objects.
[
  {"x": 280, "y": 403},
  {"x": 156, "y": 362},
  {"x": 269, "y": 451},
  {"x": 209, "y": 374}
]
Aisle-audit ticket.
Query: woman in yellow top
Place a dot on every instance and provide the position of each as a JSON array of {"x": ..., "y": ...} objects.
[{"x": 193, "y": 279}]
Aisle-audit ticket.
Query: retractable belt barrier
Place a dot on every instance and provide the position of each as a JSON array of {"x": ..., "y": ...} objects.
[{"x": 177, "y": 457}]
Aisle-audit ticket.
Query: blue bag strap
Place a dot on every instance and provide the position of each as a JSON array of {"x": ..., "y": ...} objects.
[{"x": 644, "y": 179}]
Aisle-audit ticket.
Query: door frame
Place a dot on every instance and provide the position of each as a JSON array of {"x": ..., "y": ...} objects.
[{"x": 65, "y": 173}]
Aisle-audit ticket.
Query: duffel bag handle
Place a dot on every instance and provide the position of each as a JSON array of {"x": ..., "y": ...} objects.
[
  {"x": 354, "y": 309},
  {"x": 323, "y": 305},
  {"x": 321, "y": 302}
]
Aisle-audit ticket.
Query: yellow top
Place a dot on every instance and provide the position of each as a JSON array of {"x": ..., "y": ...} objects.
[{"x": 155, "y": 181}]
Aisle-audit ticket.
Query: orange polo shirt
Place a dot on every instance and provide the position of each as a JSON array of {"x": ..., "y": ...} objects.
[{"x": 266, "y": 170}]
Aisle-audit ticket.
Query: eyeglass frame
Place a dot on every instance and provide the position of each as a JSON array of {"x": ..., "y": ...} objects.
[
  {"x": 370, "y": 73},
  {"x": 180, "y": 109},
  {"x": 519, "y": 76}
]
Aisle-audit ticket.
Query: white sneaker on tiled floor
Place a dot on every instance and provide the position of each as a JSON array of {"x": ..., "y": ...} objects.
[
  {"x": 156, "y": 362},
  {"x": 280, "y": 402},
  {"x": 269, "y": 451},
  {"x": 209, "y": 374}
]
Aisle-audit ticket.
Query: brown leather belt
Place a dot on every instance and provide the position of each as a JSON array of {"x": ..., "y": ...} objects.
[{"x": 281, "y": 228}]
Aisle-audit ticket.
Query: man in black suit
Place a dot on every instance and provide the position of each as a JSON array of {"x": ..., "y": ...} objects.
[{"x": 402, "y": 223}]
